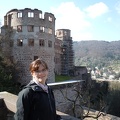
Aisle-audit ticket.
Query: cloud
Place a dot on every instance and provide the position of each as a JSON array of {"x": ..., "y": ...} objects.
[
  {"x": 1, "y": 17},
  {"x": 96, "y": 10},
  {"x": 69, "y": 16},
  {"x": 109, "y": 19},
  {"x": 1, "y": 22},
  {"x": 117, "y": 7},
  {"x": 81, "y": 36}
]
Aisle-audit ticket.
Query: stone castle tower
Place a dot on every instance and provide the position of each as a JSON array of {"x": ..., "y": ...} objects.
[
  {"x": 67, "y": 56},
  {"x": 33, "y": 37}
]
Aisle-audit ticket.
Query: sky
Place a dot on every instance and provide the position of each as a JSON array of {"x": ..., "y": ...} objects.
[{"x": 87, "y": 19}]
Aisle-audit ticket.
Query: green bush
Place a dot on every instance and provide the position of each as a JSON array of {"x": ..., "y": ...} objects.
[
  {"x": 60, "y": 78},
  {"x": 108, "y": 93},
  {"x": 114, "y": 98},
  {"x": 7, "y": 82}
]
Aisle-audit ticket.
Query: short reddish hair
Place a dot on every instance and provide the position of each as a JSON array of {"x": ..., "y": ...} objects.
[{"x": 34, "y": 66}]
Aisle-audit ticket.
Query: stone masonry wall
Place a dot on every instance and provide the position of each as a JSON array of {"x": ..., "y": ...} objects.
[
  {"x": 25, "y": 54},
  {"x": 63, "y": 91}
]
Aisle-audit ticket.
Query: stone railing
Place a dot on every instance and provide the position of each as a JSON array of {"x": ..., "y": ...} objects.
[
  {"x": 8, "y": 107},
  {"x": 65, "y": 89},
  {"x": 8, "y": 102}
]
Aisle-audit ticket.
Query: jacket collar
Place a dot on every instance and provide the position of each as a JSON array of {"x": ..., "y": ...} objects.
[{"x": 34, "y": 86}]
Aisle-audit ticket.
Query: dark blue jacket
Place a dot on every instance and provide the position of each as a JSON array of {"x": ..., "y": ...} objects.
[{"x": 35, "y": 104}]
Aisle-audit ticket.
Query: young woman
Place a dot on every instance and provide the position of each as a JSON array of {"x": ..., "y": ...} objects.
[{"x": 36, "y": 101}]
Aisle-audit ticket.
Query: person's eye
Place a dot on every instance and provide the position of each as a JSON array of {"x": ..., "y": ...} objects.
[{"x": 40, "y": 71}]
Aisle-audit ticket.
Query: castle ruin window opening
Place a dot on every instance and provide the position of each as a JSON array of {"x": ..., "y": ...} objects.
[
  {"x": 19, "y": 28},
  {"x": 35, "y": 57},
  {"x": 40, "y": 15},
  {"x": 65, "y": 33},
  {"x": 30, "y": 28},
  {"x": 41, "y": 42},
  {"x": 30, "y": 42},
  {"x": 49, "y": 30},
  {"x": 49, "y": 43},
  {"x": 50, "y": 18},
  {"x": 43, "y": 15},
  {"x": 19, "y": 14},
  {"x": 31, "y": 14},
  {"x": 41, "y": 29},
  {"x": 19, "y": 42}
]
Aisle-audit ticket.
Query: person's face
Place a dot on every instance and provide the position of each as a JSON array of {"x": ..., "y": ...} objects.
[{"x": 41, "y": 74}]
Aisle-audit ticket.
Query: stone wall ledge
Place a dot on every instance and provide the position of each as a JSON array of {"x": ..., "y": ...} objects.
[
  {"x": 10, "y": 103},
  {"x": 8, "y": 100}
]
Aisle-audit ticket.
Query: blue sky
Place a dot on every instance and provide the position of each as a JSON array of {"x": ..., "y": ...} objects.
[{"x": 87, "y": 19}]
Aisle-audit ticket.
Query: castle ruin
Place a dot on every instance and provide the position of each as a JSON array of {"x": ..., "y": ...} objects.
[{"x": 33, "y": 36}]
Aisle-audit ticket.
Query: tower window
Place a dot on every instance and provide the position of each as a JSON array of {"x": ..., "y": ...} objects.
[
  {"x": 49, "y": 30},
  {"x": 41, "y": 42},
  {"x": 42, "y": 29},
  {"x": 50, "y": 19},
  {"x": 49, "y": 43},
  {"x": 19, "y": 14},
  {"x": 30, "y": 14},
  {"x": 30, "y": 28},
  {"x": 65, "y": 33},
  {"x": 19, "y": 28},
  {"x": 40, "y": 15},
  {"x": 31, "y": 42},
  {"x": 19, "y": 42},
  {"x": 35, "y": 57}
]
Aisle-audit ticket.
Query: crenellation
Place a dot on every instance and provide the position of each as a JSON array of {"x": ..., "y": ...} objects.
[{"x": 30, "y": 17}]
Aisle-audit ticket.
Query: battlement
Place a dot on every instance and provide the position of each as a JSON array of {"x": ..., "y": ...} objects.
[{"x": 28, "y": 16}]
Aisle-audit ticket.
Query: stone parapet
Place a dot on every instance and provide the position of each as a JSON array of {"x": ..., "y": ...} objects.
[
  {"x": 10, "y": 103},
  {"x": 8, "y": 100}
]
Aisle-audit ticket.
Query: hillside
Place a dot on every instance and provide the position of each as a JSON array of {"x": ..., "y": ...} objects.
[{"x": 97, "y": 53}]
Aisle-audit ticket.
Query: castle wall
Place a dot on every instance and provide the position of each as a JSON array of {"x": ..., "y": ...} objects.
[
  {"x": 58, "y": 53},
  {"x": 29, "y": 28}
]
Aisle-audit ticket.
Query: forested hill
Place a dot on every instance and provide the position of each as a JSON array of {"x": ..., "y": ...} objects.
[{"x": 96, "y": 53}]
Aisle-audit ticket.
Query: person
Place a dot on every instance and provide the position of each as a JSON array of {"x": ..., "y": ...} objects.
[{"x": 36, "y": 100}]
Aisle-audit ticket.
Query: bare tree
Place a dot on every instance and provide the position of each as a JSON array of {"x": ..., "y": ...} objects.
[{"x": 83, "y": 101}]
